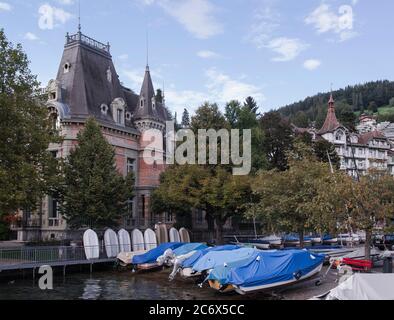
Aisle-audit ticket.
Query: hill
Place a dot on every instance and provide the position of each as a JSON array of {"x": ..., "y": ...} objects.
[{"x": 371, "y": 97}]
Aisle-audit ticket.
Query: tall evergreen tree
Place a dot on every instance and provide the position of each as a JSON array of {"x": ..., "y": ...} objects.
[
  {"x": 185, "y": 119},
  {"x": 94, "y": 193},
  {"x": 251, "y": 104},
  {"x": 27, "y": 169}
]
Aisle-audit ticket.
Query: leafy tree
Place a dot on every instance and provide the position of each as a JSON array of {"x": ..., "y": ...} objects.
[
  {"x": 391, "y": 102},
  {"x": 325, "y": 151},
  {"x": 185, "y": 119},
  {"x": 208, "y": 116},
  {"x": 301, "y": 120},
  {"x": 277, "y": 141},
  {"x": 232, "y": 113},
  {"x": 94, "y": 193},
  {"x": 287, "y": 198},
  {"x": 373, "y": 107},
  {"x": 348, "y": 118},
  {"x": 27, "y": 169}
]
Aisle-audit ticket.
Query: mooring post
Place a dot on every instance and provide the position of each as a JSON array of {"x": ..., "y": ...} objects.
[
  {"x": 91, "y": 268},
  {"x": 64, "y": 271},
  {"x": 34, "y": 275}
]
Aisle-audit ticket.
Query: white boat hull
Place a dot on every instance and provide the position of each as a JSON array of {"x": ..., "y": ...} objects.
[{"x": 245, "y": 290}]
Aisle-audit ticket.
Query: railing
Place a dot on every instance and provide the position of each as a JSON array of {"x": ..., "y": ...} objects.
[
  {"x": 87, "y": 40},
  {"x": 26, "y": 223},
  {"x": 42, "y": 255}
]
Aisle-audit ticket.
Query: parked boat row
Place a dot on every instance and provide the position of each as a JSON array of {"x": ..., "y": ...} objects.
[
  {"x": 233, "y": 267},
  {"x": 293, "y": 240},
  {"x": 125, "y": 245}
]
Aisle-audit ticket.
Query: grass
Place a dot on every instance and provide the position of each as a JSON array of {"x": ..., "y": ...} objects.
[{"x": 385, "y": 110}]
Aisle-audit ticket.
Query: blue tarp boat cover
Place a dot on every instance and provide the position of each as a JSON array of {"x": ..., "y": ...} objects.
[
  {"x": 152, "y": 255},
  {"x": 217, "y": 258},
  {"x": 189, "y": 247},
  {"x": 188, "y": 263},
  {"x": 272, "y": 267},
  {"x": 220, "y": 272}
]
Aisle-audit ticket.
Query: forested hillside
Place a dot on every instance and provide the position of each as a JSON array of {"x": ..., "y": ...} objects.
[{"x": 372, "y": 97}]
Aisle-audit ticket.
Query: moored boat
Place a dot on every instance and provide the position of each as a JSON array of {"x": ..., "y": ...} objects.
[{"x": 268, "y": 270}]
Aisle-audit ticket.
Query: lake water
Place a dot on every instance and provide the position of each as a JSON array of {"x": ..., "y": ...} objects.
[{"x": 113, "y": 285}]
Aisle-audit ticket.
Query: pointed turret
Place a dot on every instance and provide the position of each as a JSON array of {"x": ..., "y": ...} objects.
[
  {"x": 148, "y": 107},
  {"x": 331, "y": 122}
]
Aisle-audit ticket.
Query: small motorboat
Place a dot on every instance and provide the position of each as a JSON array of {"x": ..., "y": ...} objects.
[
  {"x": 273, "y": 240},
  {"x": 148, "y": 260},
  {"x": 216, "y": 258},
  {"x": 316, "y": 240},
  {"x": 363, "y": 286},
  {"x": 170, "y": 255},
  {"x": 293, "y": 240},
  {"x": 327, "y": 239},
  {"x": 267, "y": 270},
  {"x": 187, "y": 265},
  {"x": 256, "y": 243}
]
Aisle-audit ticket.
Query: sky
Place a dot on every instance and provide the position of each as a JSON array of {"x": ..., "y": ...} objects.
[{"x": 278, "y": 51}]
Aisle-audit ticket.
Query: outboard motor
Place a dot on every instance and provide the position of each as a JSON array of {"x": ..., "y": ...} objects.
[{"x": 168, "y": 255}]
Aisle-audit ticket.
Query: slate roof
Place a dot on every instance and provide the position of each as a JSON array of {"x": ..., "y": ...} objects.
[{"x": 93, "y": 81}]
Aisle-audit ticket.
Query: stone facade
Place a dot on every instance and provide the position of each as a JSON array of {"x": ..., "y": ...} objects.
[{"x": 86, "y": 86}]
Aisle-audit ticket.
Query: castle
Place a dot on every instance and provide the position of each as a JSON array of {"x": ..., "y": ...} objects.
[{"x": 87, "y": 85}]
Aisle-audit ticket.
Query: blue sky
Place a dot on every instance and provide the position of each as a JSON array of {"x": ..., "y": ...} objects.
[{"x": 279, "y": 51}]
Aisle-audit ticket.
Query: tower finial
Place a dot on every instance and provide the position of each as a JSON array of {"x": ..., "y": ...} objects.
[
  {"x": 79, "y": 16},
  {"x": 147, "y": 48}
]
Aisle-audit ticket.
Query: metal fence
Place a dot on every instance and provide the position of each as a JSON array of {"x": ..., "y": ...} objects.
[{"x": 41, "y": 255}]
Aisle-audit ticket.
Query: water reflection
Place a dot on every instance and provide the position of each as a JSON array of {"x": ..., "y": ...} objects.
[{"x": 111, "y": 285}]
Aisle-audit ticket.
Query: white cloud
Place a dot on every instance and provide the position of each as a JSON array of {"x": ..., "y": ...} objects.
[
  {"x": 30, "y": 36},
  {"x": 288, "y": 49},
  {"x": 197, "y": 16},
  {"x": 324, "y": 20},
  {"x": 207, "y": 54},
  {"x": 4, "y": 6},
  {"x": 312, "y": 64},
  {"x": 222, "y": 88},
  {"x": 266, "y": 22},
  {"x": 50, "y": 17}
]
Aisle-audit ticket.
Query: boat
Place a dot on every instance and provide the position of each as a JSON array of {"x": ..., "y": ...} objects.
[
  {"x": 257, "y": 243},
  {"x": 316, "y": 240},
  {"x": 150, "y": 239},
  {"x": 363, "y": 286},
  {"x": 137, "y": 240},
  {"x": 269, "y": 270},
  {"x": 273, "y": 240},
  {"x": 148, "y": 260},
  {"x": 215, "y": 258},
  {"x": 186, "y": 268},
  {"x": 293, "y": 240},
  {"x": 184, "y": 234},
  {"x": 161, "y": 233},
  {"x": 174, "y": 235},
  {"x": 170, "y": 255},
  {"x": 347, "y": 238},
  {"x": 91, "y": 245},
  {"x": 124, "y": 241},
  {"x": 111, "y": 243},
  {"x": 327, "y": 239},
  {"x": 125, "y": 258}
]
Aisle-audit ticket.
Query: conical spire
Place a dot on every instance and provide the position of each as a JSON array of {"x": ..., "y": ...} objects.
[
  {"x": 331, "y": 122},
  {"x": 147, "y": 107}
]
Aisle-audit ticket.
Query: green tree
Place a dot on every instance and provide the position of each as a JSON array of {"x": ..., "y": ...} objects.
[
  {"x": 185, "y": 119},
  {"x": 277, "y": 139},
  {"x": 325, "y": 151},
  {"x": 373, "y": 107},
  {"x": 301, "y": 120},
  {"x": 94, "y": 193},
  {"x": 287, "y": 198},
  {"x": 251, "y": 104},
  {"x": 367, "y": 202},
  {"x": 391, "y": 102},
  {"x": 27, "y": 170}
]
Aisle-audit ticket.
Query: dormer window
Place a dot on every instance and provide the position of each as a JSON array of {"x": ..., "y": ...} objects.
[
  {"x": 52, "y": 96},
  {"x": 339, "y": 136},
  {"x": 141, "y": 102},
  {"x": 66, "y": 67},
  {"x": 153, "y": 103},
  {"x": 128, "y": 116},
  {"x": 104, "y": 109},
  {"x": 119, "y": 116}
]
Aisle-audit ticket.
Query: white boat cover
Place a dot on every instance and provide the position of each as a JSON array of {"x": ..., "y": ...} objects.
[{"x": 365, "y": 287}]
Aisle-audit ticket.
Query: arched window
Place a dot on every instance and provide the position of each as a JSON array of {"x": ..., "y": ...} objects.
[{"x": 339, "y": 135}]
